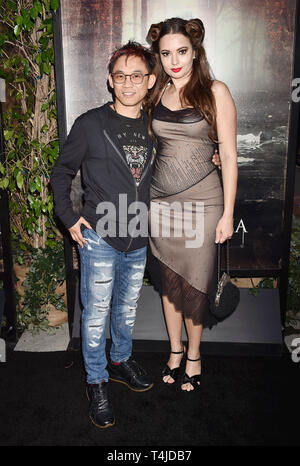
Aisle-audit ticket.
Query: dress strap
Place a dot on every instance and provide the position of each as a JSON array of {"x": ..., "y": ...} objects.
[{"x": 164, "y": 90}]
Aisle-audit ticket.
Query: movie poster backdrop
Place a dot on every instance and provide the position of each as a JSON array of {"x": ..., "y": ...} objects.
[{"x": 249, "y": 46}]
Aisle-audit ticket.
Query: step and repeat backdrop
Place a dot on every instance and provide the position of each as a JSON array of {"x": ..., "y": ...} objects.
[{"x": 249, "y": 46}]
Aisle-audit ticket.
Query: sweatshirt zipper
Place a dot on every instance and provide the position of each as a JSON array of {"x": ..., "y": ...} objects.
[{"x": 135, "y": 186}]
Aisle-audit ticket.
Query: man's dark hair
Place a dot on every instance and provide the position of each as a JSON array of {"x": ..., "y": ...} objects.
[{"x": 133, "y": 49}]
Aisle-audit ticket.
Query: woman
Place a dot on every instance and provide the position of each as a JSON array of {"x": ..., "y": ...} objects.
[{"x": 189, "y": 113}]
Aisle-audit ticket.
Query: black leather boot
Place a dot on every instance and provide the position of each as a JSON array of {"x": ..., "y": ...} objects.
[{"x": 101, "y": 413}]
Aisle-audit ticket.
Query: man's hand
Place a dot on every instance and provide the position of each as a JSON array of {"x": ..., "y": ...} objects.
[
  {"x": 75, "y": 232},
  {"x": 216, "y": 160}
]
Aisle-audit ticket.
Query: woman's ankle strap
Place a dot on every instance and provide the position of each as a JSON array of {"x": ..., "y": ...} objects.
[{"x": 179, "y": 352}]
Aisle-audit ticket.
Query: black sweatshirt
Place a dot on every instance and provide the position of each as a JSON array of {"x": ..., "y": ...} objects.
[{"x": 93, "y": 146}]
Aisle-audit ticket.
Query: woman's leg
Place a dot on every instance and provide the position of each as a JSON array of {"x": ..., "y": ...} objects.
[
  {"x": 194, "y": 336},
  {"x": 174, "y": 326}
]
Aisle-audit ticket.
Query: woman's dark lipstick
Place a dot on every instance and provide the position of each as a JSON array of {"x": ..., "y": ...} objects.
[{"x": 175, "y": 70}]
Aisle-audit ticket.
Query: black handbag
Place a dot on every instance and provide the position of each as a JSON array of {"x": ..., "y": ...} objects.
[{"x": 224, "y": 301}]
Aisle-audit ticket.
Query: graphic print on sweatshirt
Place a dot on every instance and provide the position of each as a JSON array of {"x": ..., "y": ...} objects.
[
  {"x": 136, "y": 157},
  {"x": 134, "y": 143}
]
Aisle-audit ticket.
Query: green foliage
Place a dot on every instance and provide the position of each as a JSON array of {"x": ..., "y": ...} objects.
[
  {"x": 293, "y": 294},
  {"x": 29, "y": 117},
  {"x": 46, "y": 273},
  {"x": 267, "y": 282},
  {"x": 293, "y": 299},
  {"x": 31, "y": 148}
]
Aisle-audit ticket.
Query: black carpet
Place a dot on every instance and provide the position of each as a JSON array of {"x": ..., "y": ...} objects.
[{"x": 243, "y": 401}]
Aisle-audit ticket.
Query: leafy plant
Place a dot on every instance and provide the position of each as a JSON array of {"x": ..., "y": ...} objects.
[
  {"x": 293, "y": 298},
  {"x": 30, "y": 117},
  {"x": 31, "y": 148},
  {"x": 266, "y": 282},
  {"x": 46, "y": 273},
  {"x": 293, "y": 293}
]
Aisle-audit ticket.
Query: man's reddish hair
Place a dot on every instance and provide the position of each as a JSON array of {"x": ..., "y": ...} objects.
[{"x": 133, "y": 49}]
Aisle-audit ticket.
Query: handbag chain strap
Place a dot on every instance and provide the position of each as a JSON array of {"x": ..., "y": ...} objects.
[{"x": 219, "y": 258}]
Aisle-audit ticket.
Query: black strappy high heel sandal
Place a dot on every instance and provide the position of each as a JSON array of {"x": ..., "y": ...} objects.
[
  {"x": 192, "y": 380},
  {"x": 174, "y": 373}
]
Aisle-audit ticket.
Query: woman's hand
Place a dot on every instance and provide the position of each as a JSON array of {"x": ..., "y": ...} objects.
[
  {"x": 216, "y": 160},
  {"x": 224, "y": 229},
  {"x": 75, "y": 231}
]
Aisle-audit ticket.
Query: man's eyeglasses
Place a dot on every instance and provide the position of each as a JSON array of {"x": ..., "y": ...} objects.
[{"x": 135, "y": 78}]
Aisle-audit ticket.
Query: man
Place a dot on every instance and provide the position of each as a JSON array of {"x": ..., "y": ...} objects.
[{"x": 112, "y": 147}]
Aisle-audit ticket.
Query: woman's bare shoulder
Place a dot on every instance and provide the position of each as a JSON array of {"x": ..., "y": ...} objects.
[
  {"x": 219, "y": 88},
  {"x": 222, "y": 94}
]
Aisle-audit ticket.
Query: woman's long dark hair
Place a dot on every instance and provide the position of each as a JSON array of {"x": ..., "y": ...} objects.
[{"x": 197, "y": 92}]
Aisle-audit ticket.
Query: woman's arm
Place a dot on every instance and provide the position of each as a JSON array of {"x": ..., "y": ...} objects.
[{"x": 226, "y": 130}]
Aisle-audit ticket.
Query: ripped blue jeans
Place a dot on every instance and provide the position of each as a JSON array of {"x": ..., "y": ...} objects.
[{"x": 110, "y": 281}]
